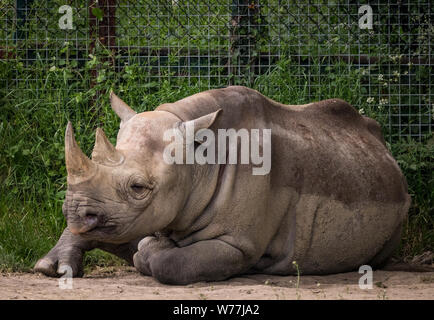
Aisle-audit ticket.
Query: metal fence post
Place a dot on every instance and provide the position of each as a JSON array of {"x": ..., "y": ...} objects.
[
  {"x": 21, "y": 33},
  {"x": 245, "y": 34},
  {"x": 102, "y": 31}
]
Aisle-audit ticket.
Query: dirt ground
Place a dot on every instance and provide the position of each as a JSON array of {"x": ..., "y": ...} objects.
[{"x": 126, "y": 283}]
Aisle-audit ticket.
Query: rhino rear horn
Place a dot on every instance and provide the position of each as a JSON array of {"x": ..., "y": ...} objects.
[
  {"x": 104, "y": 152},
  {"x": 78, "y": 165},
  {"x": 121, "y": 108}
]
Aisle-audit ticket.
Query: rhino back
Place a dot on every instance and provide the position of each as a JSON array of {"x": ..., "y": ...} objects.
[{"x": 323, "y": 148}]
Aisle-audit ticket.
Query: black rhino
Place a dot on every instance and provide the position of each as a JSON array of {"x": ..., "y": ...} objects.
[{"x": 333, "y": 200}]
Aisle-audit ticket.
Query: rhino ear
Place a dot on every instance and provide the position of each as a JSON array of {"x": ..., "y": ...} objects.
[
  {"x": 203, "y": 122},
  {"x": 78, "y": 166},
  {"x": 121, "y": 108},
  {"x": 104, "y": 152}
]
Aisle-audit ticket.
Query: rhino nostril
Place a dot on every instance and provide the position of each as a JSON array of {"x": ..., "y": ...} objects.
[{"x": 91, "y": 219}]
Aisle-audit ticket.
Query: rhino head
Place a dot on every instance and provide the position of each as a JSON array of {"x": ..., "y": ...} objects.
[{"x": 128, "y": 191}]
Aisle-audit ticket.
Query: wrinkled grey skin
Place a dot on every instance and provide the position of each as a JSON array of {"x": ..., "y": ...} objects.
[{"x": 334, "y": 199}]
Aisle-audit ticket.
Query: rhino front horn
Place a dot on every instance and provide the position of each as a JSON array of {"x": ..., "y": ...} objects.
[
  {"x": 78, "y": 165},
  {"x": 104, "y": 152},
  {"x": 121, "y": 108}
]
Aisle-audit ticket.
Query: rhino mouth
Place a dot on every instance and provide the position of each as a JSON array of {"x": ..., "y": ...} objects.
[
  {"x": 90, "y": 224},
  {"x": 100, "y": 229},
  {"x": 93, "y": 230}
]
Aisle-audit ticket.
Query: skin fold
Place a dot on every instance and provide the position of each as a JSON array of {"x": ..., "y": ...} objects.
[{"x": 334, "y": 199}]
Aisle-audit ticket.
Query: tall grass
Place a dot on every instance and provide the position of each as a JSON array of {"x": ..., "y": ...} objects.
[{"x": 34, "y": 114}]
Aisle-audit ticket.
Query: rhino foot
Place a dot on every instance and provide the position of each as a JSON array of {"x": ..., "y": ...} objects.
[{"x": 58, "y": 262}]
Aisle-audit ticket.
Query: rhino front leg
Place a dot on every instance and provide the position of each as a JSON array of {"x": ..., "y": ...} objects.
[
  {"x": 207, "y": 260},
  {"x": 70, "y": 249},
  {"x": 67, "y": 252}
]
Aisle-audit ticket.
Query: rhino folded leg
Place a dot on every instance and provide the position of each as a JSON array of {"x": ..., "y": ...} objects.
[
  {"x": 207, "y": 260},
  {"x": 70, "y": 249}
]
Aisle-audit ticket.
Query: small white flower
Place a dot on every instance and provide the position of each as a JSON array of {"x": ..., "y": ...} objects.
[
  {"x": 380, "y": 77},
  {"x": 383, "y": 101},
  {"x": 370, "y": 100}
]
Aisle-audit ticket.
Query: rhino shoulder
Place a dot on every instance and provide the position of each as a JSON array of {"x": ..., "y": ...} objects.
[{"x": 338, "y": 108}]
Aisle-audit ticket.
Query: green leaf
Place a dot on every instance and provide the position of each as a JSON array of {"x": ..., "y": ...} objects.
[
  {"x": 79, "y": 97},
  {"x": 97, "y": 12},
  {"x": 150, "y": 85},
  {"x": 101, "y": 77}
]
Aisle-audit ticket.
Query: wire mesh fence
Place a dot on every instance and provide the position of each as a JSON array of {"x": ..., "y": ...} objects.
[{"x": 292, "y": 51}]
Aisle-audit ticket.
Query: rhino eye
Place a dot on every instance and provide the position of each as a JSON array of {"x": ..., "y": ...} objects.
[{"x": 138, "y": 188}]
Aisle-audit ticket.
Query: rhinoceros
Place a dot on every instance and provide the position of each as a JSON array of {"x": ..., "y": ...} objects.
[{"x": 334, "y": 198}]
